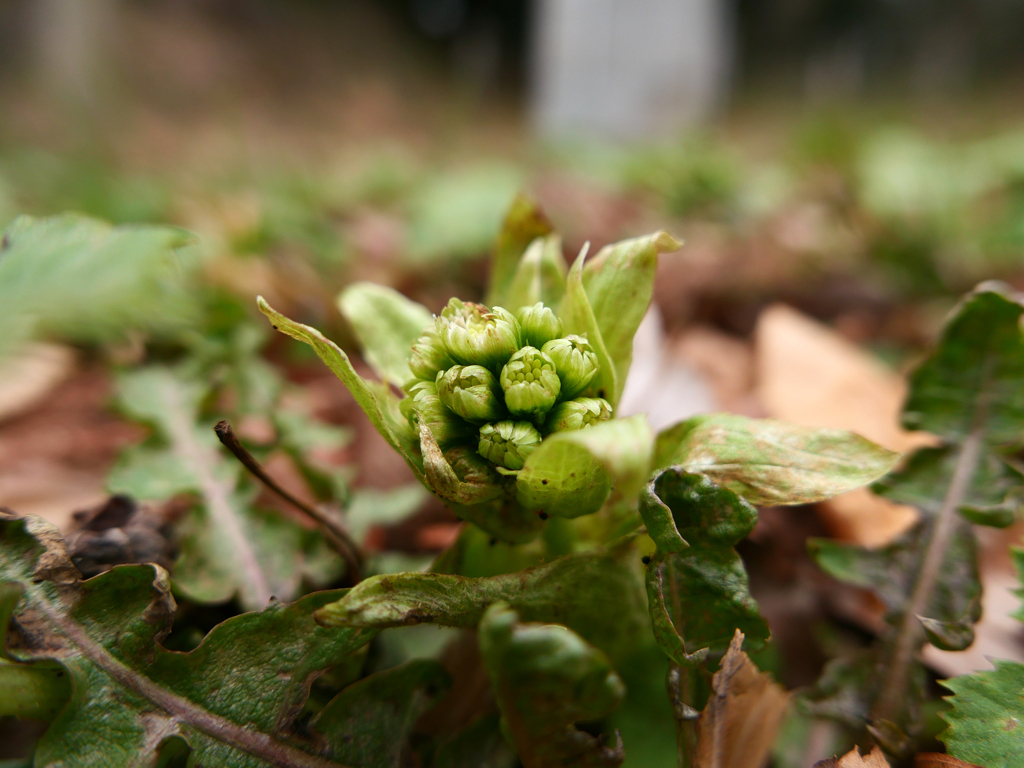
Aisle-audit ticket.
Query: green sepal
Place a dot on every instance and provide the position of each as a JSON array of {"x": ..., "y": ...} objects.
[
  {"x": 378, "y": 402},
  {"x": 524, "y": 223},
  {"x": 539, "y": 276},
  {"x": 572, "y": 473},
  {"x": 619, "y": 282},
  {"x": 387, "y": 324},
  {"x": 578, "y": 319},
  {"x": 772, "y": 462},
  {"x": 546, "y": 679}
]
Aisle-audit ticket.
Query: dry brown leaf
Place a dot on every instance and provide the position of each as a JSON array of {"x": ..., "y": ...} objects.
[
  {"x": 853, "y": 759},
  {"x": 29, "y": 376},
  {"x": 808, "y": 374},
  {"x": 939, "y": 760},
  {"x": 738, "y": 726}
]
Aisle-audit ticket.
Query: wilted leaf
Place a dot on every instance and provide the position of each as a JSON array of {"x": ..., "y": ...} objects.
[
  {"x": 227, "y": 548},
  {"x": 234, "y": 699},
  {"x": 986, "y": 722},
  {"x": 387, "y": 324},
  {"x": 939, "y": 760},
  {"x": 539, "y": 276},
  {"x": 546, "y": 679},
  {"x": 696, "y": 583},
  {"x": 737, "y": 728},
  {"x": 853, "y": 759},
  {"x": 377, "y": 402},
  {"x": 619, "y": 282},
  {"x": 772, "y": 462},
  {"x": 523, "y": 224},
  {"x": 574, "y": 590},
  {"x": 572, "y": 473},
  {"x": 85, "y": 280},
  {"x": 578, "y": 318}
]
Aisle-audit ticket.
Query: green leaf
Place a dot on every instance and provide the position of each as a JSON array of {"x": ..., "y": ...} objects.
[
  {"x": 978, "y": 363},
  {"x": 574, "y": 590},
  {"x": 696, "y": 584},
  {"x": 376, "y": 400},
  {"x": 227, "y": 548},
  {"x": 539, "y": 276},
  {"x": 386, "y": 324},
  {"x": 773, "y": 462},
  {"x": 572, "y": 473},
  {"x": 85, "y": 280},
  {"x": 546, "y": 679},
  {"x": 369, "y": 723},
  {"x": 986, "y": 722},
  {"x": 993, "y": 496},
  {"x": 892, "y": 572},
  {"x": 619, "y": 282},
  {"x": 235, "y": 699},
  {"x": 481, "y": 745},
  {"x": 578, "y": 318},
  {"x": 524, "y": 223}
]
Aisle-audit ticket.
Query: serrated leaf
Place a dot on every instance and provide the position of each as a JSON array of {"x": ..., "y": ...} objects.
[
  {"x": 573, "y": 590},
  {"x": 572, "y": 473},
  {"x": 773, "y": 462},
  {"x": 376, "y": 400},
  {"x": 578, "y": 318},
  {"x": 986, "y": 721},
  {"x": 978, "y": 362},
  {"x": 386, "y": 324},
  {"x": 892, "y": 573},
  {"x": 619, "y": 282},
  {"x": 546, "y": 679},
  {"x": 234, "y": 700},
  {"x": 369, "y": 723},
  {"x": 523, "y": 224},
  {"x": 539, "y": 276},
  {"x": 227, "y": 547},
  {"x": 738, "y": 726},
  {"x": 697, "y": 586},
  {"x": 85, "y": 280}
]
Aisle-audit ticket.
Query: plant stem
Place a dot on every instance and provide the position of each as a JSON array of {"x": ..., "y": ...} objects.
[
  {"x": 336, "y": 535},
  {"x": 909, "y": 637}
]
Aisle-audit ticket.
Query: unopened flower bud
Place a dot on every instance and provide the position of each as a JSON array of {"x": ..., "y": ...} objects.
[
  {"x": 476, "y": 335},
  {"x": 472, "y": 392},
  {"x": 471, "y": 467},
  {"x": 575, "y": 362},
  {"x": 578, "y": 414},
  {"x": 530, "y": 383},
  {"x": 429, "y": 355},
  {"x": 423, "y": 406},
  {"x": 540, "y": 325},
  {"x": 508, "y": 443}
]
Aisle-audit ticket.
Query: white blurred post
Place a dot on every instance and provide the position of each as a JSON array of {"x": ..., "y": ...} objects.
[
  {"x": 71, "y": 39},
  {"x": 627, "y": 69}
]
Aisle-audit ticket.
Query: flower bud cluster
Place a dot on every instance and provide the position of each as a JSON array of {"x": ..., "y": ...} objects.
[{"x": 490, "y": 384}]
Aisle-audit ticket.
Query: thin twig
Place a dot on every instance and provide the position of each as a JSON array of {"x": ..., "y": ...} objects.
[{"x": 336, "y": 535}]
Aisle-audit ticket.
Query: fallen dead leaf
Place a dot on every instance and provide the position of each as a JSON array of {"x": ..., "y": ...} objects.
[
  {"x": 27, "y": 377},
  {"x": 939, "y": 760},
  {"x": 853, "y": 759},
  {"x": 808, "y": 374},
  {"x": 738, "y": 726}
]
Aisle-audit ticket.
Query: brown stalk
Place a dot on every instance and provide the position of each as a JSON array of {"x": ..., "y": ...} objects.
[{"x": 335, "y": 534}]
